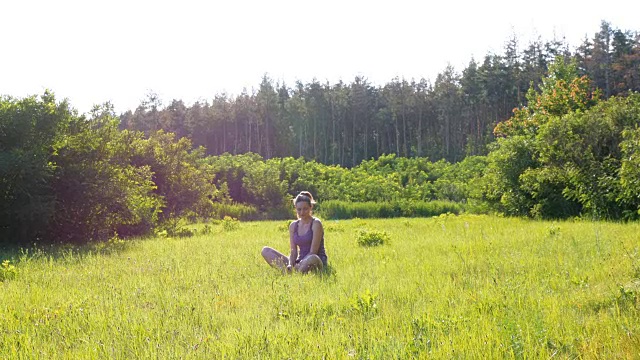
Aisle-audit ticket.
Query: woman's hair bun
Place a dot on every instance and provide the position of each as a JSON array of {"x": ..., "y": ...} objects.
[{"x": 304, "y": 196}]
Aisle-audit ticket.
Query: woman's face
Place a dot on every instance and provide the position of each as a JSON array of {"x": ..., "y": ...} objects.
[{"x": 303, "y": 209}]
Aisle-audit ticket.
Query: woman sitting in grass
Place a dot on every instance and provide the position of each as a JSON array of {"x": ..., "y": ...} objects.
[{"x": 305, "y": 234}]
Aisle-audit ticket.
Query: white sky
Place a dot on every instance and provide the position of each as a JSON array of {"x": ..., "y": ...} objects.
[{"x": 95, "y": 51}]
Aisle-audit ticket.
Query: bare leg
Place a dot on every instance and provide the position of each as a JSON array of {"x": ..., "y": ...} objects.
[
  {"x": 275, "y": 258},
  {"x": 310, "y": 262}
]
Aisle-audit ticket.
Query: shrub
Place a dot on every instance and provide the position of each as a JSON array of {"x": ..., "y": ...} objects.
[
  {"x": 230, "y": 224},
  {"x": 98, "y": 192},
  {"x": 179, "y": 175},
  {"x": 372, "y": 238},
  {"x": 206, "y": 230},
  {"x": 7, "y": 271},
  {"x": 365, "y": 304},
  {"x": 29, "y": 130}
]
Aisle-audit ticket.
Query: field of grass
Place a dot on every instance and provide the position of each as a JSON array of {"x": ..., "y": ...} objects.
[{"x": 443, "y": 287}]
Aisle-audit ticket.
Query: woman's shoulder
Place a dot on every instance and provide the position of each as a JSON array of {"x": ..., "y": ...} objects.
[
  {"x": 316, "y": 222},
  {"x": 293, "y": 224}
]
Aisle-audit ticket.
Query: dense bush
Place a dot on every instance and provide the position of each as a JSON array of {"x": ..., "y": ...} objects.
[
  {"x": 372, "y": 238},
  {"x": 181, "y": 181},
  {"x": 97, "y": 190},
  {"x": 566, "y": 154},
  {"x": 271, "y": 184},
  {"x": 71, "y": 178},
  {"x": 502, "y": 185},
  {"x": 630, "y": 173},
  {"x": 29, "y": 131}
]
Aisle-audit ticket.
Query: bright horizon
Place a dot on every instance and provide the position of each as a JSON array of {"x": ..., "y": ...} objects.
[{"x": 119, "y": 51}]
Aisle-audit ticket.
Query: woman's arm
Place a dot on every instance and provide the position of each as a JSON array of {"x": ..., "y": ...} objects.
[
  {"x": 293, "y": 255},
  {"x": 318, "y": 233}
]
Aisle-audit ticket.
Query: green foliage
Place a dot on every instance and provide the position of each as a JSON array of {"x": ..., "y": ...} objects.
[
  {"x": 385, "y": 187},
  {"x": 583, "y": 152},
  {"x": 372, "y": 238},
  {"x": 7, "y": 271},
  {"x": 91, "y": 179},
  {"x": 70, "y": 178},
  {"x": 630, "y": 172},
  {"x": 628, "y": 298},
  {"x": 562, "y": 91},
  {"x": 98, "y": 191},
  {"x": 461, "y": 180},
  {"x": 431, "y": 208},
  {"x": 180, "y": 180},
  {"x": 205, "y": 230},
  {"x": 365, "y": 304},
  {"x": 265, "y": 188},
  {"x": 66, "y": 177},
  {"x": 563, "y": 154},
  {"x": 230, "y": 224},
  {"x": 509, "y": 159},
  {"x": 547, "y": 188},
  {"x": 29, "y": 129},
  {"x": 336, "y": 209},
  {"x": 175, "y": 230}
]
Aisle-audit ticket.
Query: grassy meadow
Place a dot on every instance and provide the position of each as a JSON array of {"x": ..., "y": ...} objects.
[{"x": 443, "y": 287}]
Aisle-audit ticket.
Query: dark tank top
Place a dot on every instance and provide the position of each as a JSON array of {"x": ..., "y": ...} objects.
[{"x": 304, "y": 243}]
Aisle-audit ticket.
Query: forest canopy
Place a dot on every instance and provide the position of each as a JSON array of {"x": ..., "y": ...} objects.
[{"x": 449, "y": 117}]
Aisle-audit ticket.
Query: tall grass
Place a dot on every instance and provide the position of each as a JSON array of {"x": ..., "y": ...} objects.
[
  {"x": 336, "y": 209},
  {"x": 234, "y": 210},
  {"x": 445, "y": 287},
  {"x": 250, "y": 212}
]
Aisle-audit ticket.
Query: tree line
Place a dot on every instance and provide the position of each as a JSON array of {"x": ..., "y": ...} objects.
[
  {"x": 66, "y": 177},
  {"x": 569, "y": 150},
  {"x": 345, "y": 123}
]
